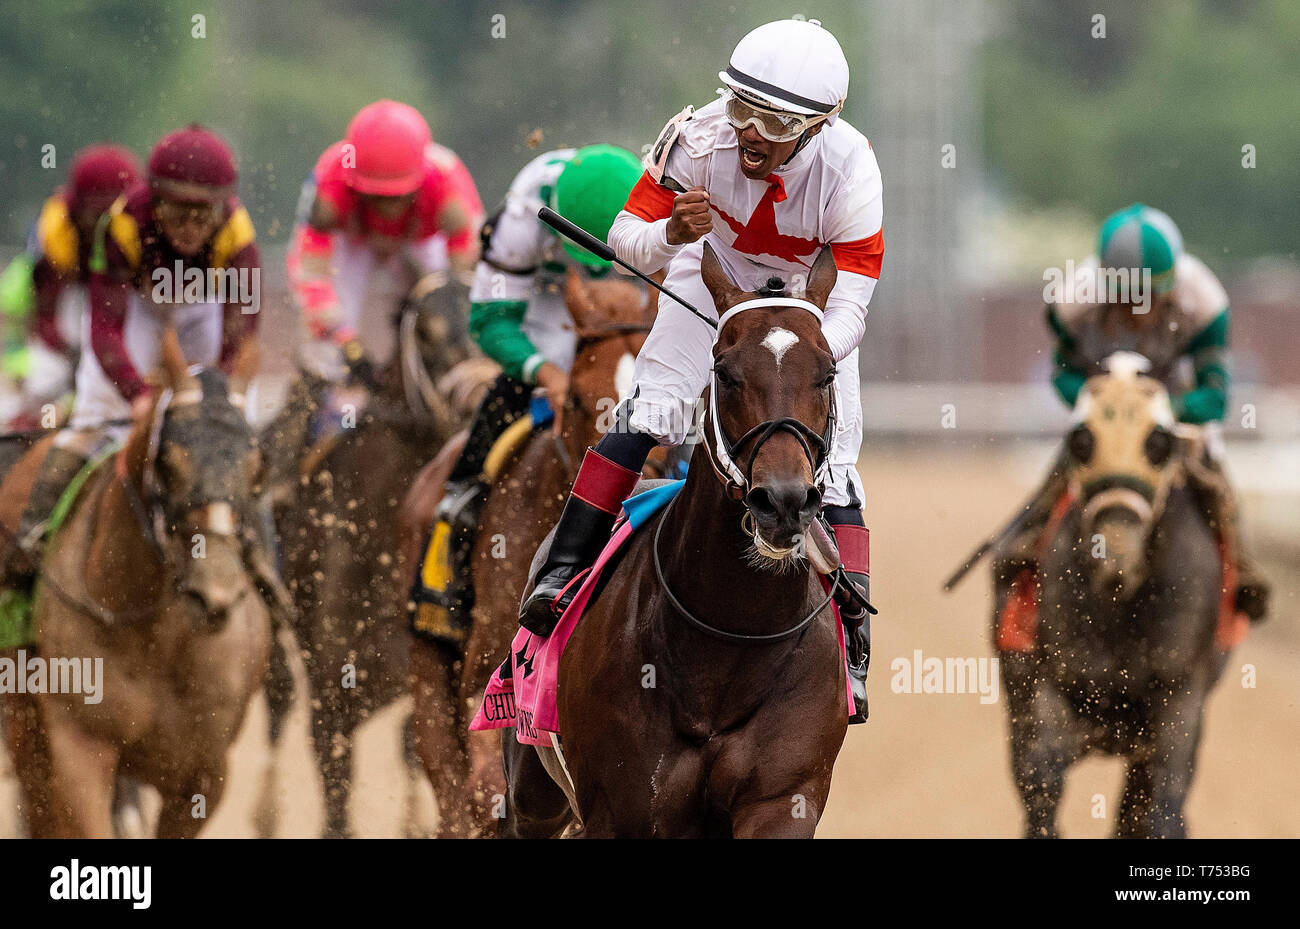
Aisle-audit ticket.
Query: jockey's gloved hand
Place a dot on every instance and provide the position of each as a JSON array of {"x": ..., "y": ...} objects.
[
  {"x": 323, "y": 359},
  {"x": 852, "y": 597},
  {"x": 358, "y": 363}
]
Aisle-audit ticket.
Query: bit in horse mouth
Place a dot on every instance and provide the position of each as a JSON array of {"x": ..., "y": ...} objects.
[{"x": 763, "y": 556}]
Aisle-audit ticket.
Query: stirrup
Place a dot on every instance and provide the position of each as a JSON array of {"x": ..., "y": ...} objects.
[
  {"x": 442, "y": 594},
  {"x": 551, "y": 596},
  {"x": 858, "y": 684}
]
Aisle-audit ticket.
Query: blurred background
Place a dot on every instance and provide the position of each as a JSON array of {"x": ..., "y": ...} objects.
[{"x": 1005, "y": 131}]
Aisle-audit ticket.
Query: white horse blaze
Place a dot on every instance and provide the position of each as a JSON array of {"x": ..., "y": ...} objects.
[{"x": 778, "y": 342}]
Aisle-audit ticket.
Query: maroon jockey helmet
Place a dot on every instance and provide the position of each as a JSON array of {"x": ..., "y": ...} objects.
[
  {"x": 99, "y": 175},
  {"x": 192, "y": 165}
]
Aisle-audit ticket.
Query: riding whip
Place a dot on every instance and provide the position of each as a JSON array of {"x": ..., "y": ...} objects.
[{"x": 601, "y": 250}]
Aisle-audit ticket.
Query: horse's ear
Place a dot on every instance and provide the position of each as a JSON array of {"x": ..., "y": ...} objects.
[
  {"x": 175, "y": 368},
  {"x": 578, "y": 300},
  {"x": 725, "y": 293},
  {"x": 821, "y": 279},
  {"x": 245, "y": 367}
]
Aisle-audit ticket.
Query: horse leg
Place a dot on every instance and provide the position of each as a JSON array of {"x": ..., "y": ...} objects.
[
  {"x": 1044, "y": 743},
  {"x": 1170, "y": 765},
  {"x": 331, "y": 730},
  {"x": 128, "y": 812},
  {"x": 793, "y": 816},
  {"x": 489, "y": 643},
  {"x": 177, "y": 819},
  {"x": 83, "y": 771},
  {"x": 415, "y": 778},
  {"x": 31, "y": 762},
  {"x": 439, "y": 738},
  {"x": 535, "y": 806},
  {"x": 1135, "y": 804},
  {"x": 278, "y": 689}
]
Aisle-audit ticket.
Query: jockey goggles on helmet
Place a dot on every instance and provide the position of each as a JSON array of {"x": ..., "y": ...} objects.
[{"x": 772, "y": 124}]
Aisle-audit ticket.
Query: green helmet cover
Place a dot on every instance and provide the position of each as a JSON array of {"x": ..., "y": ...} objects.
[
  {"x": 1140, "y": 236},
  {"x": 591, "y": 190}
]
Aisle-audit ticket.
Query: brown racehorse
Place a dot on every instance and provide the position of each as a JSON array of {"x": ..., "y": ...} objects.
[
  {"x": 338, "y": 531},
  {"x": 146, "y": 575},
  {"x": 612, "y": 318},
  {"x": 726, "y": 723}
]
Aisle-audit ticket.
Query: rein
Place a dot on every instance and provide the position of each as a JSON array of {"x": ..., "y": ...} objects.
[{"x": 737, "y": 637}]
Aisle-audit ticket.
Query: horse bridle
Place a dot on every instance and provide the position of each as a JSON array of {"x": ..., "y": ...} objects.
[
  {"x": 738, "y": 483},
  {"x": 422, "y": 396},
  {"x": 147, "y": 504},
  {"x": 150, "y": 515},
  {"x": 723, "y": 452}
]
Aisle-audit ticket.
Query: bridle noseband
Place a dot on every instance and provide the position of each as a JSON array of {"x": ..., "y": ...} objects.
[{"x": 722, "y": 455}]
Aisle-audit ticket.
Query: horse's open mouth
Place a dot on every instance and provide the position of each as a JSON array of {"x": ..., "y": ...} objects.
[{"x": 764, "y": 556}]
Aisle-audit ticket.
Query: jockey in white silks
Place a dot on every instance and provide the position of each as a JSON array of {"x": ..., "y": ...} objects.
[{"x": 768, "y": 175}]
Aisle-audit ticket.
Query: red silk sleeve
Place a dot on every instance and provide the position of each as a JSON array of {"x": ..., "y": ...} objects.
[{"x": 649, "y": 200}]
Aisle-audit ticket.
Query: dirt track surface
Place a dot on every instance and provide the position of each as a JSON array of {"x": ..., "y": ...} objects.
[{"x": 926, "y": 764}]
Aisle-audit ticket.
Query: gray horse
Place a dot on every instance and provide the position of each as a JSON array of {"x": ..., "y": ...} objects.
[{"x": 1124, "y": 652}]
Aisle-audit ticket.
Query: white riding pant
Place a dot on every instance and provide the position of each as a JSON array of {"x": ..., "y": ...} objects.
[
  {"x": 356, "y": 270},
  {"x": 672, "y": 371},
  {"x": 198, "y": 328}
]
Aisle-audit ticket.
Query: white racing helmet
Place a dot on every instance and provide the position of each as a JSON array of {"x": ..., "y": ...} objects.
[{"x": 792, "y": 65}]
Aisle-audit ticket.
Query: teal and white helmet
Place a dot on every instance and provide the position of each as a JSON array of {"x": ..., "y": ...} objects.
[{"x": 1142, "y": 237}]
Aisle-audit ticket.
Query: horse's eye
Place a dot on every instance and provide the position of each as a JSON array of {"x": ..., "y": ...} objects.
[
  {"x": 724, "y": 377},
  {"x": 1159, "y": 446},
  {"x": 1081, "y": 444},
  {"x": 828, "y": 380}
]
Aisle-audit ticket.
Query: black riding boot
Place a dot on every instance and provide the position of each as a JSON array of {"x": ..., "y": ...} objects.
[
  {"x": 854, "y": 599},
  {"x": 589, "y": 513},
  {"x": 856, "y": 618},
  {"x": 505, "y": 401},
  {"x": 443, "y": 593}
]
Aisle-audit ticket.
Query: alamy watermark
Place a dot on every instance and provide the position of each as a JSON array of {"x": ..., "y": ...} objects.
[
  {"x": 179, "y": 284},
  {"x": 922, "y": 675},
  {"x": 1126, "y": 286},
  {"x": 103, "y": 882},
  {"x": 32, "y": 674}
]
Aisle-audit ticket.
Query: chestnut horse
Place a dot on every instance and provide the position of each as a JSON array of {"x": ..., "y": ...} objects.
[
  {"x": 146, "y": 578},
  {"x": 612, "y": 318},
  {"x": 703, "y": 693}
]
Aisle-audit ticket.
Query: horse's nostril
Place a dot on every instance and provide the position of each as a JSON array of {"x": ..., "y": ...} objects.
[
  {"x": 760, "y": 501},
  {"x": 812, "y": 501},
  {"x": 790, "y": 501}
]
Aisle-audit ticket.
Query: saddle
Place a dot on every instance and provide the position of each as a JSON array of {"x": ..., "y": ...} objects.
[
  {"x": 1017, "y": 625},
  {"x": 522, "y": 692},
  {"x": 16, "y": 604},
  {"x": 436, "y": 592}
]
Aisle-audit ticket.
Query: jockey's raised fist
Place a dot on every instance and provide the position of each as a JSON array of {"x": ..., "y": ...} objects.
[{"x": 691, "y": 218}]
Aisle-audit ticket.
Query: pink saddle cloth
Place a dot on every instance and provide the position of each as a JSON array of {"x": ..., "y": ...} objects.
[{"x": 525, "y": 698}]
